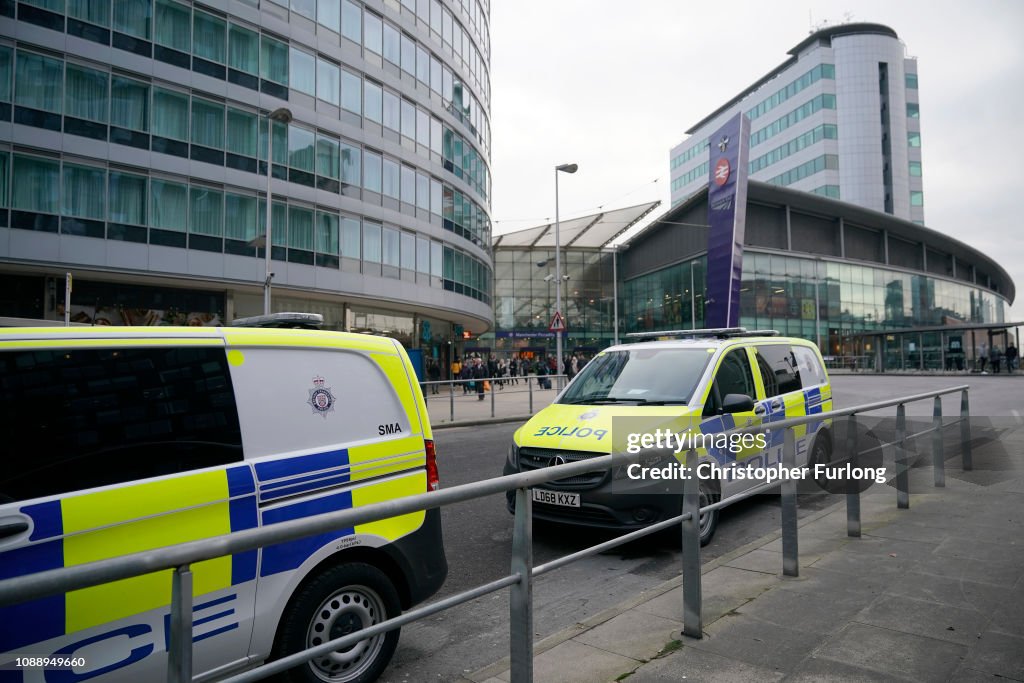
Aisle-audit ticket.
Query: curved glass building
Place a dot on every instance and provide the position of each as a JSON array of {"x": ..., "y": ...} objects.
[{"x": 133, "y": 154}]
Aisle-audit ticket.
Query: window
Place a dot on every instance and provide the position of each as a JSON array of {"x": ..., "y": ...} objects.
[
  {"x": 350, "y": 164},
  {"x": 84, "y": 193},
  {"x": 208, "y": 37},
  {"x": 168, "y": 205},
  {"x": 371, "y": 242},
  {"x": 173, "y": 25},
  {"x": 779, "y": 370},
  {"x": 391, "y": 248},
  {"x": 207, "y": 211},
  {"x": 133, "y": 17},
  {"x": 808, "y": 367},
  {"x": 302, "y": 71},
  {"x": 92, "y": 11},
  {"x": 301, "y": 148},
  {"x": 38, "y": 188},
  {"x": 436, "y": 259},
  {"x": 243, "y": 50},
  {"x": 85, "y": 93},
  {"x": 351, "y": 92},
  {"x": 207, "y": 124},
  {"x": 170, "y": 114},
  {"x": 350, "y": 237},
  {"x": 373, "y": 104},
  {"x": 392, "y": 49},
  {"x": 300, "y": 228},
  {"x": 915, "y": 169},
  {"x": 242, "y": 132},
  {"x": 390, "y": 182},
  {"x": 423, "y": 255},
  {"x": 408, "y": 185},
  {"x": 328, "y": 13},
  {"x": 127, "y": 199},
  {"x": 408, "y": 119},
  {"x": 408, "y": 55},
  {"x": 914, "y": 139},
  {"x": 6, "y": 61},
  {"x": 242, "y": 222},
  {"x": 734, "y": 376},
  {"x": 129, "y": 104},
  {"x": 328, "y": 157},
  {"x": 912, "y": 81},
  {"x": 372, "y": 171},
  {"x": 328, "y": 81},
  {"x": 373, "y": 27},
  {"x": 306, "y": 8},
  {"x": 351, "y": 21},
  {"x": 392, "y": 111},
  {"x": 916, "y": 198},
  {"x": 38, "y": 82},
  {"x": 408, "y": 251},
  {"x": 139, "y": 412},
  {"x": 913, "y": 110},
  {"x": 327, "y": 233},
  {"x": 274, "y": 60}
]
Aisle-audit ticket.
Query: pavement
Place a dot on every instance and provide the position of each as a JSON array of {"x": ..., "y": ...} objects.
[
  {"x": 451, "y": 407},
  {"x": 931, "y": 593}
]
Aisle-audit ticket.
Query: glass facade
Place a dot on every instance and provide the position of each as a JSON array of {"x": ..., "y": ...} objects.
[
  {"x": 524, "y": 301},
  {"x": 382, "y": 171},
  {"x": 793, "y": 294}
]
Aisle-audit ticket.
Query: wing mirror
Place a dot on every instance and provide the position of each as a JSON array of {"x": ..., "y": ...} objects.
[{"x": 737, "y": 403}]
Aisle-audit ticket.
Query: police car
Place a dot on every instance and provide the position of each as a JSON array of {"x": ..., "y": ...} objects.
[
  {"x": 120, "y": 440},
  {"x": 702, "y": 384}
]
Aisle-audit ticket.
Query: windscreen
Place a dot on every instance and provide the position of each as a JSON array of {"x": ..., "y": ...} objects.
[{"x": 652, "y": 376}]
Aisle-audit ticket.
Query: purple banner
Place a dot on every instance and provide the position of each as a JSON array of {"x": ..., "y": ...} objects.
[{"x": 727, "y": 214}]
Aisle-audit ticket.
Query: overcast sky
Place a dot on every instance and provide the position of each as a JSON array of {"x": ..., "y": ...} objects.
[{"x": 613, "y": 85}]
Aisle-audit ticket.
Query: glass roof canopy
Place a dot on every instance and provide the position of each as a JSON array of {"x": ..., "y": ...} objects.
[{"x": 587, "y": 232}]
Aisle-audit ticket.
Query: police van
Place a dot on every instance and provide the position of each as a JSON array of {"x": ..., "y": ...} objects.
[
  {"x": 705, "y": 383},
  {"x": 119, "y": 440}
]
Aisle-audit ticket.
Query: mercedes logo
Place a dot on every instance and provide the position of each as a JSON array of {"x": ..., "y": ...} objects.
[{"x": 557, "y": 460}]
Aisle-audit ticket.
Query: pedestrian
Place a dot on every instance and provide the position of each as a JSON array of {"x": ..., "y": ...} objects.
[
  {"x": 479, "y": 373},
  {"x": 513, "y": 370},
  {"x": 1011, "y": 357},
  {"x": 994, "y": 358},
  {"x": 468, "y": 370},
  {"x": 434, "y": 374}
]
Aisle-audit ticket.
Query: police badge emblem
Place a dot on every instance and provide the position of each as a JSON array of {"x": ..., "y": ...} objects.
[{"x": 320, "y": 398}]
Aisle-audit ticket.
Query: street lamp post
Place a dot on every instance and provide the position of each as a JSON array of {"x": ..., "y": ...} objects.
[
  {"x": 564, "y": 168},
  {"x": 693, "y": 297},
  {"x": 284, "y": 116},
  {"x": 615, "y": 292},
  {"x": 817, "y": 305}
]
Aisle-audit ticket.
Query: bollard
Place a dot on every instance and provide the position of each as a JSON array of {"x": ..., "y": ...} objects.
[
  {"x": 179, "y": 649},
  {"x": 529, "y": 386},
  {"x": 901, "y": 459},
  {"x": 451, "y": 401},
  {"x": 790, "y": 550},
  {"x": 852, "y": 487},
  {"x": 494, "y": 387},
  {"x": 938, "y": 460},
  {"x": 967, "y": 463},
  {"x": 520, "y": 598},
  {"x": 692, "y": 622}
]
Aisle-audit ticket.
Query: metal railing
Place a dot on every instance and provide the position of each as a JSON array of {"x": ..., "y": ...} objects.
[
  {"x": 505, "y": 385},
  {"x": 179, "y": 558}
]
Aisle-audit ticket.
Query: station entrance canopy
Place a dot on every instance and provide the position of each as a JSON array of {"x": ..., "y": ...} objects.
[
  {"x": 968, "y": 347},
  {"x": 587, "y": 232}
]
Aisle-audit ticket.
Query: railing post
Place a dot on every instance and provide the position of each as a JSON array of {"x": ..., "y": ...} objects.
[
  {"x": 693, "y": 625},
  {"x": 790, "y": 550},
  {"x": 901, "y": 459},
  {"x": 529, "y": 386},
  {"x": 521, "y": 593},
  {"x": 938, "y": 457},
  {"x": 451, "y": 401},
  {"x": 852, "y": 486},
  {"x": 179, "y": 649},
  {"x": 494, "y": 387},
  {"x": 967, "y": 463}
]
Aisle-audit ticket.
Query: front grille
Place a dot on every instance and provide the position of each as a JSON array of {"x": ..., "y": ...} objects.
[
  {"x": 582, "y": 515},
  {"x": 538, "y": 458}
]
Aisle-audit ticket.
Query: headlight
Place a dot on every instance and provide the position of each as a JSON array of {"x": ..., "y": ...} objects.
[{"x": 513, "y": 456}]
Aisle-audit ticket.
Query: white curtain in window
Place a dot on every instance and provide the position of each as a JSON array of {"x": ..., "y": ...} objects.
[
  {"x": 38, "y": 83},
  {"x": 241, "y": 134},
  {"x": 243, "y": 50},
  {"x": 300, "y": 228},
  {"x": 84, "y": 192},
  {"x": 129, "y": 104},
  {"x": 169, "y": 205},
  {"x": 127, "y": 198},
  {"x": 173, "y": 25},
  {"x": 85, "y": 93},
  {"x": 170, "y": 114},
  {"x": 37, "y": 187},
  {"x": 240, "y": 213},
  {"x": 132, "y": 17},
  {"x": 327, "y": 233},
  {"x": 207, "y": 211}
]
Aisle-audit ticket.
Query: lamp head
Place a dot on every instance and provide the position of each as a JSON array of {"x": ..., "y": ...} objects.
[
  {"x": 567, "y": 168},
  {"x": 282, "y": 115}
]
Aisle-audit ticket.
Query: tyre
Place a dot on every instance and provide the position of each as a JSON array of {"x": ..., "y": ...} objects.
[
  {"x": 338, "y": 601},
  {"x": 708, "y": 494}
]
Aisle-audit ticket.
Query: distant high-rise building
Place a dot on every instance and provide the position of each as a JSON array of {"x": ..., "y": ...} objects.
[{"x": 839, "y": 118}]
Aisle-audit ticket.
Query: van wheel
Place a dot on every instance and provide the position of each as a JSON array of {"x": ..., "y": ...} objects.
[
  {"x": 708, "y": 494},
  {"x": 340, "y": 600}
]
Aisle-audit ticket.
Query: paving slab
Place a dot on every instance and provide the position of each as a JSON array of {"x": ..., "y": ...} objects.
[
  {"x": 960, "y": 593},
  {"x": 820, "y": 670},
  {"x": 723, "y": 590},
  {"x": 924, "y": 618},
  {"x": 760, "y": 643},
  {"x": 699, "y": 666},
  {"x": 633, "y": 634},
  {"x": 998, "y": 654},
  {"x": 573, "y": 662},
  {"x": 893, "y": 653},
  {"x": 809, "y": 609}
]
